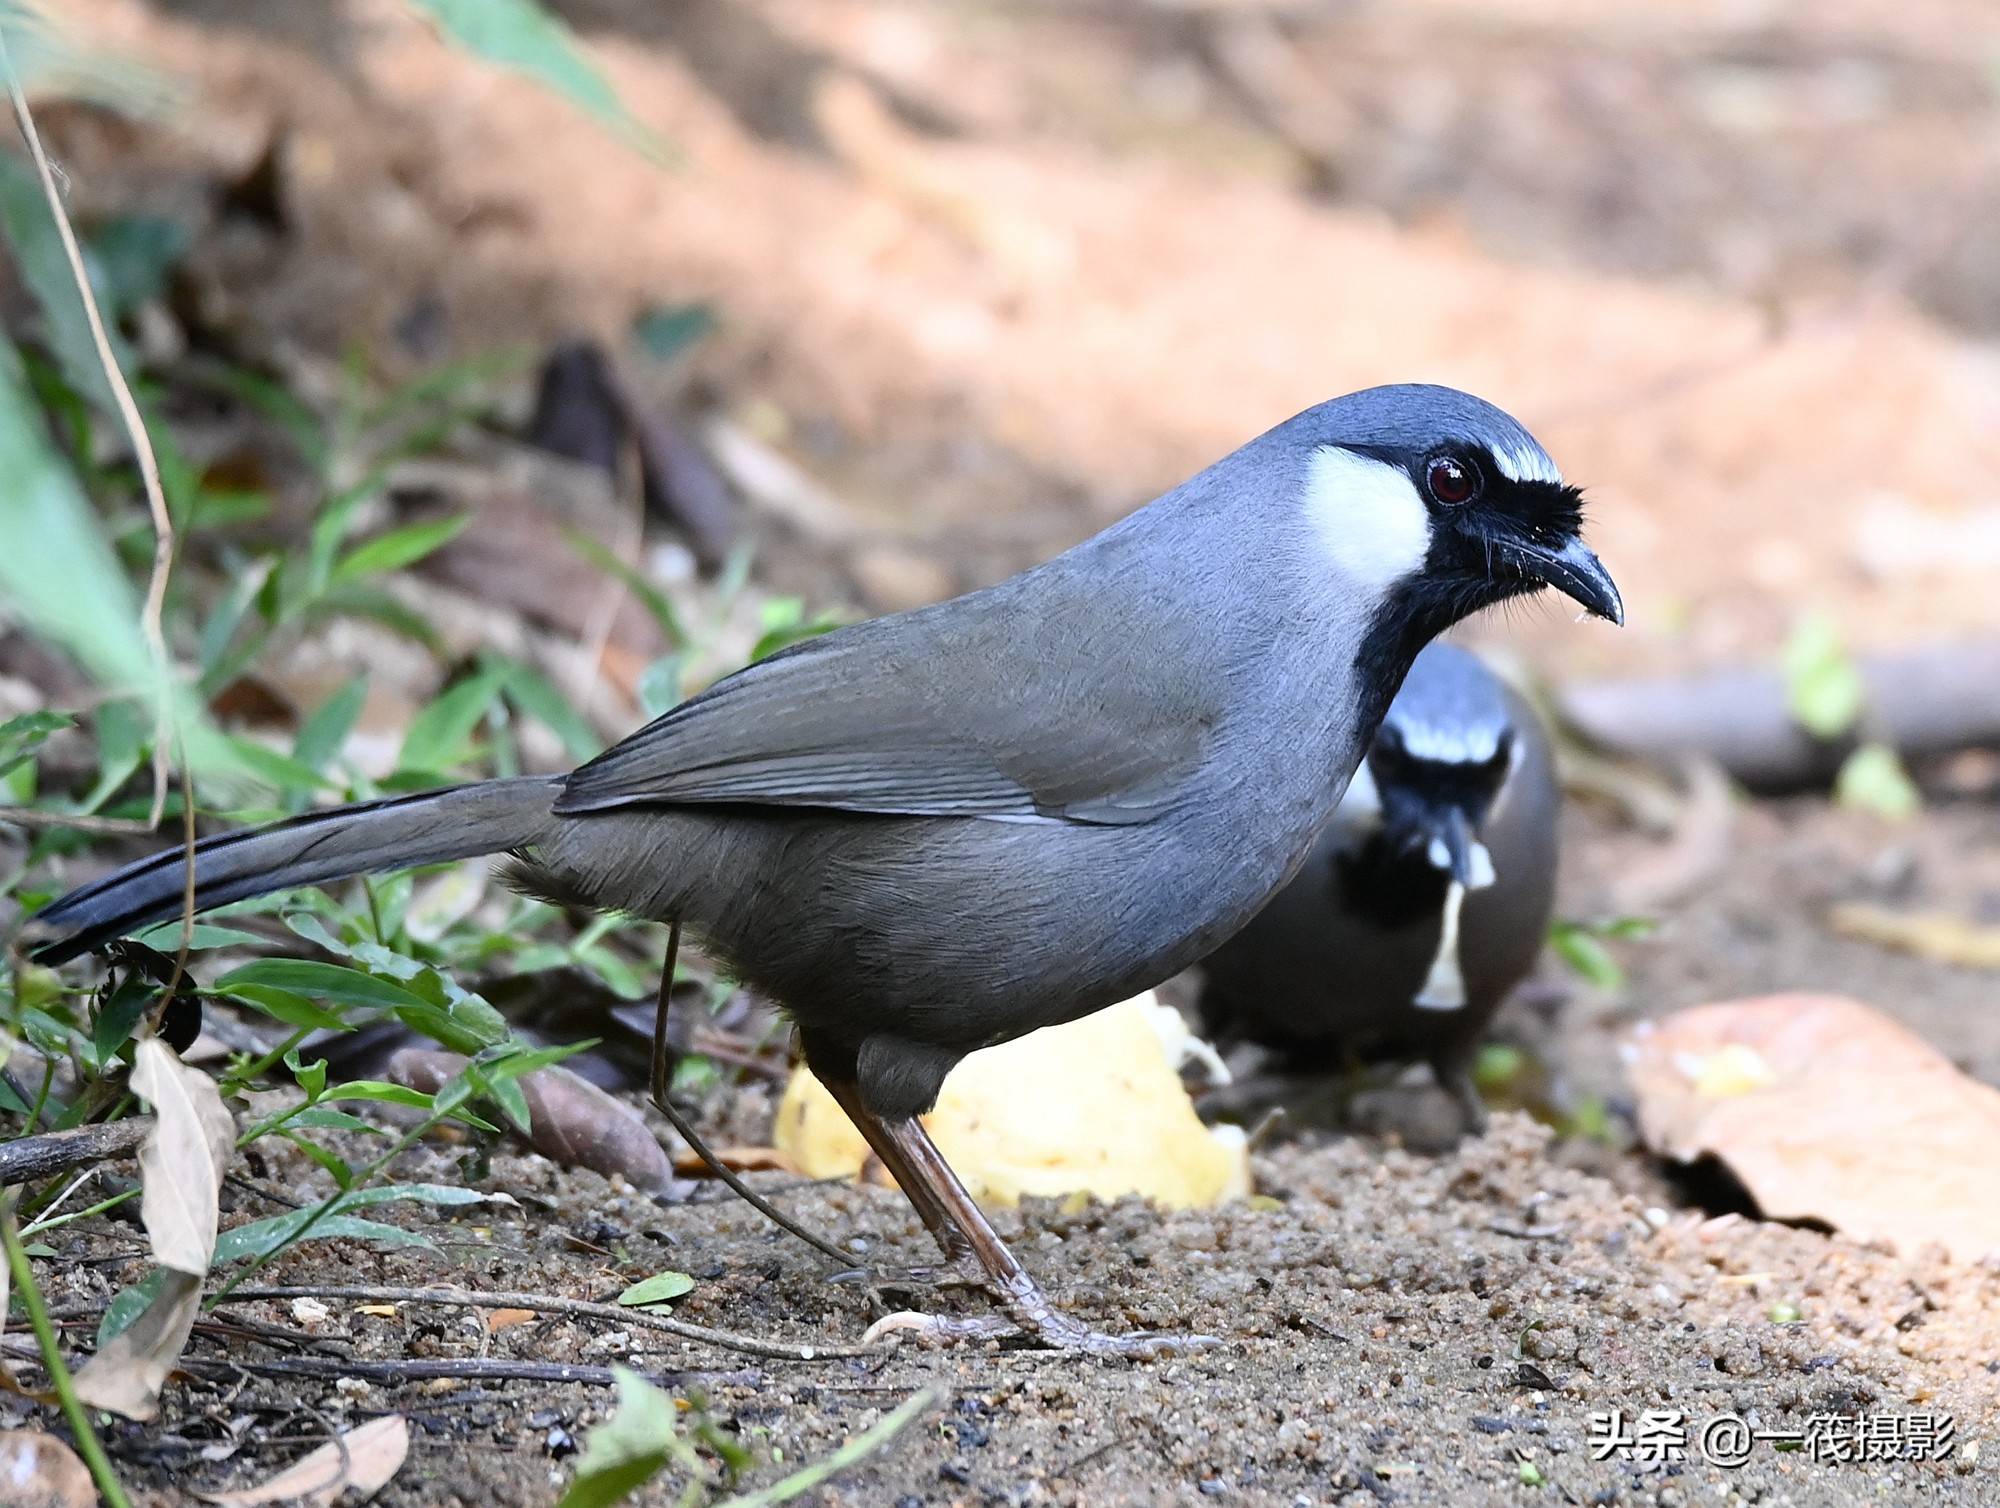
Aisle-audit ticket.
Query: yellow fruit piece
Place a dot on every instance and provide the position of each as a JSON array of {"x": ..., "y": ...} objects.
[{"x": 1092, "y": 1107}]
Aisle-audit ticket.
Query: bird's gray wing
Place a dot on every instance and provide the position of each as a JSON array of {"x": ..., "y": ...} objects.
[{"x": 1010, "y": 705}]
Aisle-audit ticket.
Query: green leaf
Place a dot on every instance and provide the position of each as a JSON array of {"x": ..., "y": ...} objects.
[
  {"x": 667, "y": 331},
  {"x": 785, "y": 624},
  {"x": 1498, "y": 1066},
  {"x": 167, "y": 937},
  {"x": 520, "y": 35},
  {"x": 311, "y": 1076},
  {"x": 657, "y": 1289},
  {"x": 1588, "y": 957},
  {"x": 635, "y": 581},
  {"x": 320, "y": 1118},
  {"x": 1823, "y": 688},
  {"x": 21, "y": 736},
  {"x": 438, "y": 736},
  {"x": 628, "y": 1449},
  {"x": 326, "y": 730},
  {"x": 287, "y": 1006},
  {"x": 328, "y": 981},
  {"x": 335, "y": 1165},
  {"x": 376, "y": 1092},
  {"x": 536, "y": 695},
  {"x": 397, "y": 549},
  {"x": 267, "y": 766},
  {"x": 44, "y": 266},
  {"x": 128, "y": 1305},
  {"x": 1872, "y": 779},
  {"x": 61, "y": 576},
  {"x": 261, "y": 1237}
]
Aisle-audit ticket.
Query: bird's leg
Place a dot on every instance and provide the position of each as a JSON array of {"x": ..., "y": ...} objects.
[
  {"x": 968, "y": 1239},
  {"x": 923, "y": 1198},
  {"x": 1452, "y": 1069}
]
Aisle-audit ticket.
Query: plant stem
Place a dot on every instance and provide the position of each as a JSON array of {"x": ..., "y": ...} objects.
[{"x": 87, "y": 1443}]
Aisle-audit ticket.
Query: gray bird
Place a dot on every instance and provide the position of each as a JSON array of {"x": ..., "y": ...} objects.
[
  {"x": 941, "y": 830},
  {"x": 1425, "y": 900}
]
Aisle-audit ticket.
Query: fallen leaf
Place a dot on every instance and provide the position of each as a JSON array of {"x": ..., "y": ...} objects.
[
  {"x": 1826, "y": 1109},
  {"x": 738, "y": 1160},
  {"x": 571, "y": 1121},
  {"x": 182, "y": 1161},
  {"x": 128, "y": 1371},
  {"x": 39, "y": 1471},
  {"x": 1938, "y": 936},
  {"x": 657, "y": 1289},
  {"x": 1095, "y": 1106},
  {"x": 500, "y": 1319},
  {"x": 359, "y": 1464}
]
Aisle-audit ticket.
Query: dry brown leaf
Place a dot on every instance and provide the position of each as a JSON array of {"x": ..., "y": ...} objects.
[
  {"x": 501, "y": 1319},
  {"x": 182, "y": 1161},
  {"x": 1827, "y": 1110},
  {"x": 737, "y": 1160},
  {"x": 39, "y": 1471},
  {"x": 127, "y": 1373},
  {"x": 571, "y": 1121},
  {"x": 1936, "y": 935},
  {"x": 359, "y": 1464}
]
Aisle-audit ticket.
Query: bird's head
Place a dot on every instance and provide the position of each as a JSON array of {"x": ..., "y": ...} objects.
[
  {"x": 1438, "y": 763},
  {"x": 1438, "y": 505}
]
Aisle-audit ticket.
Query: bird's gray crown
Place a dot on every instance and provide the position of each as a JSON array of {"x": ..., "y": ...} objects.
[{"x": 1417, "y": 418}]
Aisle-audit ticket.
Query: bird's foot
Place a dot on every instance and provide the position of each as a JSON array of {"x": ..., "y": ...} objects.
[
  {"x": 1053, "y": 1332},
  {"x": 1027, "y": 1314}
]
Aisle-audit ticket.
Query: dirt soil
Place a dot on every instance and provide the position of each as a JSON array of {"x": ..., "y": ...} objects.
[{"x": 993, "y": 274}]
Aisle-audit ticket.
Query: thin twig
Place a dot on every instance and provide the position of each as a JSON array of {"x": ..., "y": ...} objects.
[
  {"x": 663, "y": 1102},
  {"x": 425, "y": 1368},
  {"x": 546, "y": 1303}
]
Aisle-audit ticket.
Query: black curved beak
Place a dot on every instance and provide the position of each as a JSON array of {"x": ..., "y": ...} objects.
[
  {"x": 1572, "y": 568},
  {"x": 1451, "y": 844}
]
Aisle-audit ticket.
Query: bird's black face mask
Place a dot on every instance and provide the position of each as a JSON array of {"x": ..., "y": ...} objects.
[
  {"x": 1497, "y": 531},
  {"x": 1494, "y": 536},
  {"x": 1432, "y": 809}
]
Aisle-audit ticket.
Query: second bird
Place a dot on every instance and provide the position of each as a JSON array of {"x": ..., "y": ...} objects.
[{"x": 1425, "y": 901}]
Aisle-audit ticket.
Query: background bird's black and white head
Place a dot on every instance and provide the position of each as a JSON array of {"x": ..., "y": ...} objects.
[
  {"x": 1439, "y": 762},
  {"x": 1437, "y": 504}
]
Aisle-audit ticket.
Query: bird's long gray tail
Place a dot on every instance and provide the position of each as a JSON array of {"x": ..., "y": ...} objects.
[{"x": 397, "y": 832}]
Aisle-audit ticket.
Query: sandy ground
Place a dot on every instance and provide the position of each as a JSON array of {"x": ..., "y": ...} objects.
[{"x": 992, "y": 275}]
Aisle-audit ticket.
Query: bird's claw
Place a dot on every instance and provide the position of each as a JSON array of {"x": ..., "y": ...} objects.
[{"x": 1050, "y": 1331}]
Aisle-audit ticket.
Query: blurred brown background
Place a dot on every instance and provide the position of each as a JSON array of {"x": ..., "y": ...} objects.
[{"x": 995, "y": 273}]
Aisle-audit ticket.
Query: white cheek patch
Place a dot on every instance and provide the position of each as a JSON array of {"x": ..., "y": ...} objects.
[
  {"x": 1367, "y": 516},
  {"x": 1526, "y": 463}
]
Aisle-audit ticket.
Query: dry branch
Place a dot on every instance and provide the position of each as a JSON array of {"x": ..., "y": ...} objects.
[{"x": 1922, "y": 702}]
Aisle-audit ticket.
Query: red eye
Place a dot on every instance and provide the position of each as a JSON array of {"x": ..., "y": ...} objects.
[{"x": 1451, "y": 480}]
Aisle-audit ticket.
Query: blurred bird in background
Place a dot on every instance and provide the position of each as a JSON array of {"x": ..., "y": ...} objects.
[{"x": 1425, "y": 901}]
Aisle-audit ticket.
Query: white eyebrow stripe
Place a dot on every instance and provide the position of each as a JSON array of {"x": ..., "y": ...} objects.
[
  {"x": 1460, "y": 744},
  {"x": 1526, "y": 463}
]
